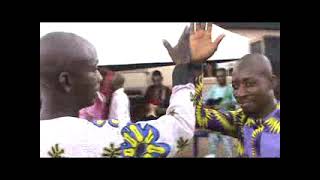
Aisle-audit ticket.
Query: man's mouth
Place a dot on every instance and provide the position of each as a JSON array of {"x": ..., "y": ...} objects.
[{"x": 245, "y": 103}]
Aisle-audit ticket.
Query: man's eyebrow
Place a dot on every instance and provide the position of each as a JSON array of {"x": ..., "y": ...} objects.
[{"x": 248, "y": 78}]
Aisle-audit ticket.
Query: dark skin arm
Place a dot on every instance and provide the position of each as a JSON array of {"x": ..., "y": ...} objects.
[{"x": 194, "y": 48}]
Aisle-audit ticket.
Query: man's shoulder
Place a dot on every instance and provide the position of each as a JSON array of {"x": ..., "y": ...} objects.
[
  {"x": 62, "y": 124},
  {"x": 63, "y": 120}
]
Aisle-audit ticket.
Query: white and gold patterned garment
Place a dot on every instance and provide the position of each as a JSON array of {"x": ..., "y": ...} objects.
[{"x": 164, "y": 137}]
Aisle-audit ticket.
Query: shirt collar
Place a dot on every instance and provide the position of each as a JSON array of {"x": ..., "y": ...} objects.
[{"x": 271, "y": 114}]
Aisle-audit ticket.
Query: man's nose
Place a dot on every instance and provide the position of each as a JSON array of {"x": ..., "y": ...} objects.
[{"x": 241, "y": 92}]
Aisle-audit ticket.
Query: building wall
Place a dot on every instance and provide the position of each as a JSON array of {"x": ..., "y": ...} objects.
[
  {"x": 141, "y": 78},
  {"x": 255, "y": 35}
]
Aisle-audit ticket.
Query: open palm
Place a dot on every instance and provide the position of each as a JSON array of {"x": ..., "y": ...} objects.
[
  {"x": 194, "y": 44},
  {"x": 201, "y": 45}
]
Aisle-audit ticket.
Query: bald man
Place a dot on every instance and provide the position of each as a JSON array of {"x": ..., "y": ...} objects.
[
  {"x": 120, "y": 104},
  {"x": 256, "y": 124},
  {"x": 69, "y": 81}
]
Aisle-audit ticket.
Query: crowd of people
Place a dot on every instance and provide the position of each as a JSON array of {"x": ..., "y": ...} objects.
[{"x": 85, "y": 112}]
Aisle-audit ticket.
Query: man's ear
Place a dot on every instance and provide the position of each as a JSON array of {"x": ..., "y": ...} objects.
[
  {"x": 65, "y": 81},
  {"x": 274, "y": 81}
]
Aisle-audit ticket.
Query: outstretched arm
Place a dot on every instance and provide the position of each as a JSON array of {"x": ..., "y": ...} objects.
[
  {"x": 170, "y": 133},
  {"x": 212, "y": 119}
]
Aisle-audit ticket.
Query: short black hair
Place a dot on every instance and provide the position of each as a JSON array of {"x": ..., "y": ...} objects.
[{"x": 156, "y": 73}]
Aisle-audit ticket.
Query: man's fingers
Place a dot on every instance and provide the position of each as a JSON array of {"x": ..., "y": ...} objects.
[
  {"x": 167, "y": 45},
  {"x": 192, "y": 27},
  {"x": 203, "y": 26},
  {"x": 185, "y": 33},
  {"x": 209, "y": 27},
  {"x": 218, "y": 40},
  {"x": 184, "y": 38}
]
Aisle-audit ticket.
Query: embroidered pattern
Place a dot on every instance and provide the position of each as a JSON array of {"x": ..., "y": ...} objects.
[
  {"x": 114, "y": 123},
  {"x": 142, "y": 142},
  {"x": 255, "y": 134},
  {"x": 273, "y": 124},
  {"x": 182, "y": 143},
  {"x": 99, "y": 123},
  {"x": 56, "y": 152},
  {"x": 172, "y": 112},
  {"x": 111, "y": 152}
]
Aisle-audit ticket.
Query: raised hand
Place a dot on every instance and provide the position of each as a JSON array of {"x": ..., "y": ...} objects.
[
  {"x": 195, "y": 44},
  {"x": 201, "y": 44}
]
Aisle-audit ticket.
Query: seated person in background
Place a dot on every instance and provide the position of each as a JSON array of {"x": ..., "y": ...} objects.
[
  {"x": 100, "y": 108},
  {"x": 158, "y": 91},
  {"x": 222, "y": 92},
  {"x": 120, "y": 104}
]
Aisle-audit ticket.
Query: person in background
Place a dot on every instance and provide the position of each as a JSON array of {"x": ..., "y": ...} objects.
[
  {"x": 210, "y": 69},
  {"x": 100, "y": 109},
  {"x": 120, "y": 104},
  {"x": 230, "y": 72},
  {"x": 222, "y": 93},
  {"x": 158, "y": 91},
  {"x": 221, "y": 97}
]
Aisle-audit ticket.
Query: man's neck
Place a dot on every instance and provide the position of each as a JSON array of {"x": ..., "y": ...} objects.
[{"x": 54, "y": 110}]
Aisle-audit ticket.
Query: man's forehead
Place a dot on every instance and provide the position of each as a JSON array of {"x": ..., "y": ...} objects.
[
  {"x": 246, "y": 73},
  {"x": 86, "y": 63}
]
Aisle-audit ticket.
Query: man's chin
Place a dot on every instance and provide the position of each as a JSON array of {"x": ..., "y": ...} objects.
[{"x": 247, "y": 110}]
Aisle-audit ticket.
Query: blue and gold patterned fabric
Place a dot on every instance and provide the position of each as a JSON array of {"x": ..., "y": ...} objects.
[{"x": 257, "y": 137}]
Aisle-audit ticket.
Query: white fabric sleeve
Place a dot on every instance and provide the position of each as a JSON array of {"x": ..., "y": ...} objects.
[
  {"x": 120, "y": 109},
  {"x": 165, "y": 136}
]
